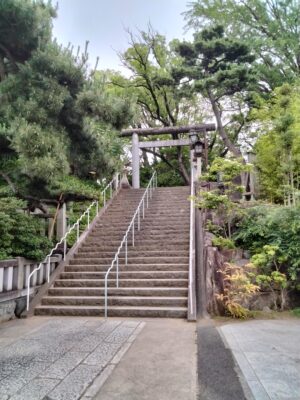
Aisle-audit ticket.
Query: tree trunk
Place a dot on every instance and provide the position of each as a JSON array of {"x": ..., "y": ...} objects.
[
  {"x": 145, "y": 158},
  {"x": 2, "y": 69},
  {"x": 182, "y": 169},
  {"x": 231, "y": 147}
]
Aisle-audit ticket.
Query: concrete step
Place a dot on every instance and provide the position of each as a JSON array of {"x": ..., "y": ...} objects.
[
  {"x": 144, "y": 231},
  {"x": 144, "y": 226},
  {"x": 133, "y": 260},
  {"x": 159, "y": 301},
  {"x": 132, "y": 253},
  {"x": 121, "y": 291},
  {"x": 125, "y": 275},
  {"x": 139, "y": 239},
  {"x": 113, "y": 311},
  {"x": 139, "y": 246},
  {"x": 122, "y": 282},
  {"x": 125, "y": 268}
]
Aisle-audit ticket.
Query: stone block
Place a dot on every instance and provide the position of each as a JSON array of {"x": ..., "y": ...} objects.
[{"x": 74, "y": 385}]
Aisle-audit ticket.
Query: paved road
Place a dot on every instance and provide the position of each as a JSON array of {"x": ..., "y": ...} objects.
[
  {"x": 60, "y": 358},
  {"x": 268, "y": 353}
]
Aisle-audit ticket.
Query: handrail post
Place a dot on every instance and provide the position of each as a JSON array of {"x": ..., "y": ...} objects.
[
  {"x": 143, "y": 208},
  {"x": 117, "y": 272},
  {"x": 104, "y": 197},
  {"x": 139, "y": 220},
  {"x": 88, "y": 218},
  {"x": 48, "y": 269},
  {"x": 147, "y": 199},
  {"x": 111, "y": 191},
  {"x": 97, "y": 207},
  {"x": 65, "y": 247},
  {"x": 126, "y": 251},
  {"x": 105, "y": 297},
  {"x": 77, "y": 229},
  {"x": 133, "y": 234}
]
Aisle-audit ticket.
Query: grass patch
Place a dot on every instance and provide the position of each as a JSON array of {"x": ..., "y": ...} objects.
[{"x": 296, "y": 312}]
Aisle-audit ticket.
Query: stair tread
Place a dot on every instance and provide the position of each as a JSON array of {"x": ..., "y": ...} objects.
[
  {"x": 126, "y": 288},
  {"x": 119, "y": 297},
  {"x": 112, "y": 307},
  {"x": 126, "y": 279}
]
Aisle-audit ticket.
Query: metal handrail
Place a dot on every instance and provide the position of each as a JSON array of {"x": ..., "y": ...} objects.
[
  {"x": 192, "y": 245},
  {"x": 148, "y": 193},
  {"x": 114, "y": 183}
]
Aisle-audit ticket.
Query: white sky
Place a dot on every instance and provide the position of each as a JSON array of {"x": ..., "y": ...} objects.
[{"x": 103, "y": 23}]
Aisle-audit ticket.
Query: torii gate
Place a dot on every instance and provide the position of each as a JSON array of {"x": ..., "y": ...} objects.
[{"x": 137, "y": 145}]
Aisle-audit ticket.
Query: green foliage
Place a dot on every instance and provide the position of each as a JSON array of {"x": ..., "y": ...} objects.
[
  {"x": 226, "y": 170},
  {"x": 160, "y": 100},
  {"x": 272, "y": 235},
  {"x": 296, "y": 312},
  {"x": 223, "y": 243},
  {"x": 219, "y": 68},
  {"x": 56, "y": 120},
  {"x": 25, "y": 25},
  {"x": 278, "y": 145},
  {"x": 238, "y": 288},
  {"x": 220, "y": 201},
  {"x": 20, "y": 233},
  {"x": 269, "y": 27},
  {"x": 75, "y": 186}
]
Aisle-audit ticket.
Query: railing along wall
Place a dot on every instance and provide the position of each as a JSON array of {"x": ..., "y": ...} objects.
[
  {"x": 131, "y": 228},
  {"x": 41, "y": 273}
]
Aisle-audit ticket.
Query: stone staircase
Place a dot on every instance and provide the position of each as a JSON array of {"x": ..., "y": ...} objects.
[{"x": 155, "y": 281}]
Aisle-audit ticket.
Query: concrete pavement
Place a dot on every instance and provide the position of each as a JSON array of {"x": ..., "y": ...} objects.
[
  {"x": 89, "y": 358},
  {"x": 69, "y": 358},
  {"x": 268, "y": 354},
  {"x": 160, "y": 365}
]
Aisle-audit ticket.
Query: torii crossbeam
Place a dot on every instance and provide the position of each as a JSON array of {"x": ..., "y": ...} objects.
[{"x": 136, "y": 145}]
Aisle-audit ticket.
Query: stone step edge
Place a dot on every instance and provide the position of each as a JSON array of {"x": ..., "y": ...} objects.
[{"x": 110, "y": 307}]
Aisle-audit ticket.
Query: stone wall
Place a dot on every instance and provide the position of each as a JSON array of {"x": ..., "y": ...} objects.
[{"x": 7, "y": 310}]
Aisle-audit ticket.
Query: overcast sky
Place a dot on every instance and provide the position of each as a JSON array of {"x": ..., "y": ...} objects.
[{"x": 103, "y": 23}]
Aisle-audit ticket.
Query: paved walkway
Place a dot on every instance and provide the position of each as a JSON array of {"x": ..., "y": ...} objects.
[
  {"x": 83, "y": 358},
  {"x": 268, "y": 353},
  {"x": 60, "y": 358},
  {"x": 160, "y": 364}
]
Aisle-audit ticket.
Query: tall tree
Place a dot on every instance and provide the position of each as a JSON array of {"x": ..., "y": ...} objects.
[
  {"x": 272, "y": 27},
  {"x": 56, "y": 120},
  {"x": 220, "y": 69},
  {"x": 159, "y": 98}
]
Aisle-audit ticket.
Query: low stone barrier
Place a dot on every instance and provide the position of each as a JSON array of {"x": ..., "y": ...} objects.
[{"x": 13, "y": 283}]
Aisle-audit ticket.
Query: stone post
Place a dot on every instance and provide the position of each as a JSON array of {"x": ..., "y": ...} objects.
[
  {"x": 61, "y": 224},
  {"x": 135, "y": 161},
  {"x": 19, "y": 278}
]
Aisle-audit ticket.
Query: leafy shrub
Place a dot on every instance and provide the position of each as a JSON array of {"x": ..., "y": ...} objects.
[
  {"x": 223, "y": 243},
  {"x": 20, "y": 233},
  {"x": 238, "y": 288},
  {"x": 277, "y": 227}
]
